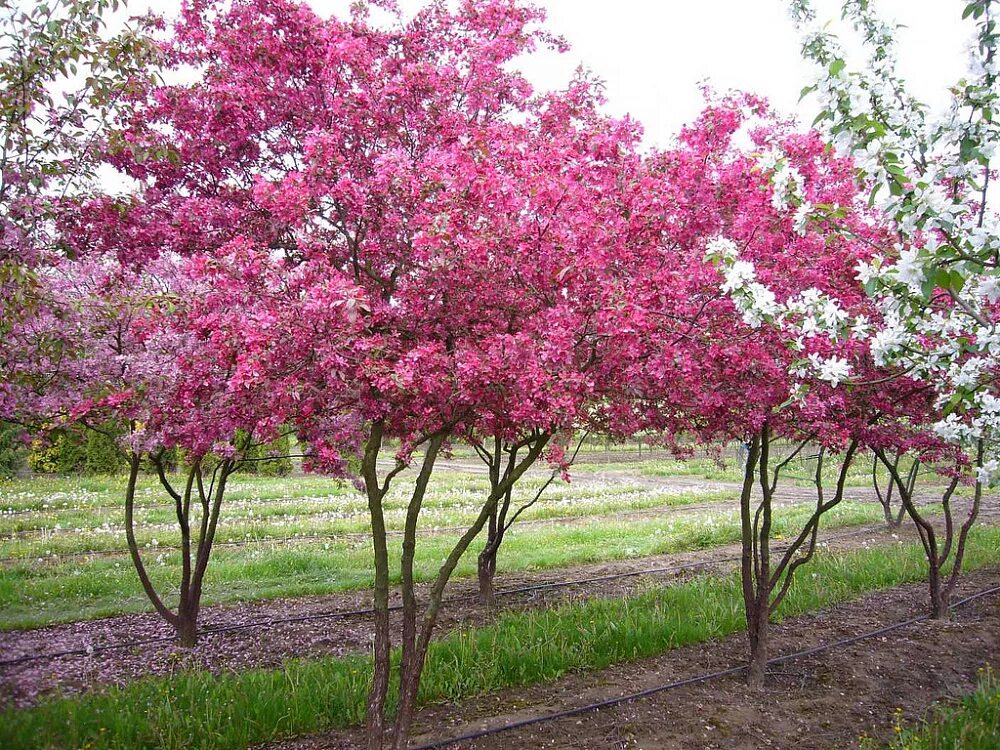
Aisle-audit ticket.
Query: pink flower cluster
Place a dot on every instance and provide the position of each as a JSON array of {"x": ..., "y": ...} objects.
[{"x": 341, "y": 224}]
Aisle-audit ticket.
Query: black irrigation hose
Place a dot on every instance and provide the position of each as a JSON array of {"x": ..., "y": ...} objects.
[
  {"x": 346, "y": 614},
  {"x": 479, "y": 734}
]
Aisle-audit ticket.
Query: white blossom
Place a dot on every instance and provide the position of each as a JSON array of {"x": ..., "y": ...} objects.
[
  {"x": 834, "y": 370},
  {"x": 738, "y": 275},
  {"x": 801, "y": 218},
  {"x": 885, "y": 343},
  {"x": 987, "y": 471},
  {"x": 908, "y": 269},
  {"x": 722, "y": 248}
]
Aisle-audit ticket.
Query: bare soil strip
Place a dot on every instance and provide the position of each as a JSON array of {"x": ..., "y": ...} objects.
[
  {"x": 22, "y": 685},
  {"x": 820, "y": 702}
]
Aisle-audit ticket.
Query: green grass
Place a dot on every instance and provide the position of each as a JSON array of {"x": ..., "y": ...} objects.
[
  {"x": 92, "y": 530},
  {"x": 801, "y": 471},
  {"x": 970, "y": 724},
  {"x": 202, "y": 711},
  {"x": 32, "y": 595},
  {"x": 286, "y": 506},
  {"x": 705, "y": 468}
]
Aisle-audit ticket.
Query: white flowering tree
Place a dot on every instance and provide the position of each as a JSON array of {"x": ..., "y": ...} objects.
[
  {"x": 930, "y": 178},
  {"x": 933, "y": 275}
]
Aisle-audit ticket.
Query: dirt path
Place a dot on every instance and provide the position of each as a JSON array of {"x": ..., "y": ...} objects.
[
  {"x": 238, "y": 650},
  {"x": 820, "y": 702}
]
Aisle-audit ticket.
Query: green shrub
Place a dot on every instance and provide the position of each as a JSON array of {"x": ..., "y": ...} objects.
[
  {"x": 11, "y": 450},
  {"x": 278, "y": 463},
  {"x": 76, "y": 451},
  {"x": 101, "y": 453},
  {"x": 58, "y": 452}
]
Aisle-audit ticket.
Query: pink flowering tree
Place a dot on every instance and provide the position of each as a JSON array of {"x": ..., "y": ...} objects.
[
  {"x": 475, "y": 224},
  {"x": 62, "y": 77},
  {"x": 586, "y": 180},
  {"x": 172, "y": 353},
  {"x": 771, "y": 303},
  {"x": 496, "y": 324}
]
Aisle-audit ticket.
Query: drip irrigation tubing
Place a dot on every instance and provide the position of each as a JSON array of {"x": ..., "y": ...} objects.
[
  {"x": 347, "y": 614},
  {"x": 697, "y": 679}
]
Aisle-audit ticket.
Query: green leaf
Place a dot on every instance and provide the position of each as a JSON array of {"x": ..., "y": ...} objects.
[
  {"x": 968, "y": 149},
  {"x": 953, "y": 402},
  {"x": 928, "y": 287},
  {"x": 820, "y": 117},
  {"x": 943, "y": 278}
]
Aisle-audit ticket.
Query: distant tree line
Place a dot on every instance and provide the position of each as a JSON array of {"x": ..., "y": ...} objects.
[{"x": 74, "y": 450}]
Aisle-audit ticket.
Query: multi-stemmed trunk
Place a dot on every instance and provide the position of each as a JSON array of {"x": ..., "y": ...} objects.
[
  {"x": 764, "y": 585},
  {"x": 938, "y": 550},
  {"x": 893, "y": 517},
  {"x": 496, "y": 525},
  {"x": 500, "y": 462},
  {"x": 755, "y": 561},
  {"x": 417, "y": 628},
  {"x": 184, "y": 619}
]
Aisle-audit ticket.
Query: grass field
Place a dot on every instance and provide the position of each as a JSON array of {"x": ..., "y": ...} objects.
[
  {"x": 197, "y": 710},
  {"x": 62, "y": 560},
  {"x": 800, "y": 472},
  {"x": 53, "y": 508},
  {"x": 37, "y": 589}
]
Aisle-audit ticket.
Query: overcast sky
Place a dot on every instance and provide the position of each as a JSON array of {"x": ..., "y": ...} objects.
[{"x": 652, "y": 54}]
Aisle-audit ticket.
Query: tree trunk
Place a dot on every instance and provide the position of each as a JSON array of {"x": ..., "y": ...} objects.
[
  {"x": 937, "y": 555},
  {"x": 757, "y": 631},
  {"x": 409, "y": 684},
  {"x": 414, "y": 657},
  {"x": 895, "y": 522},
  {"x": 496, "y": 526},
  {"x": 487, "y": 573},
  {"x": 135, "y": 462},
  {"x": 187, "y": 628},
  {"x": 382, "y": 646},
  {"x": 487, "y": 560},
  {"x": 749, "y": 567},
  {"x": 939, "y": 594}
]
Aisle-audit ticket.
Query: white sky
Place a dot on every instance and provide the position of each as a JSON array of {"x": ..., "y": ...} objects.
[{"x": 652, "y": 54}]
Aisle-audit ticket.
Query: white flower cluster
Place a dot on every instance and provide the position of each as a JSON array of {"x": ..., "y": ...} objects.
[
  {"x": 929, "y": 177},
  {"x": 755, "y": 301},
  {"x": 788, "y": 187},
  {"x": 834, "y": 370},
  {"x": 810, "y": 313},
  {"x": 815, "y": 313}
]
